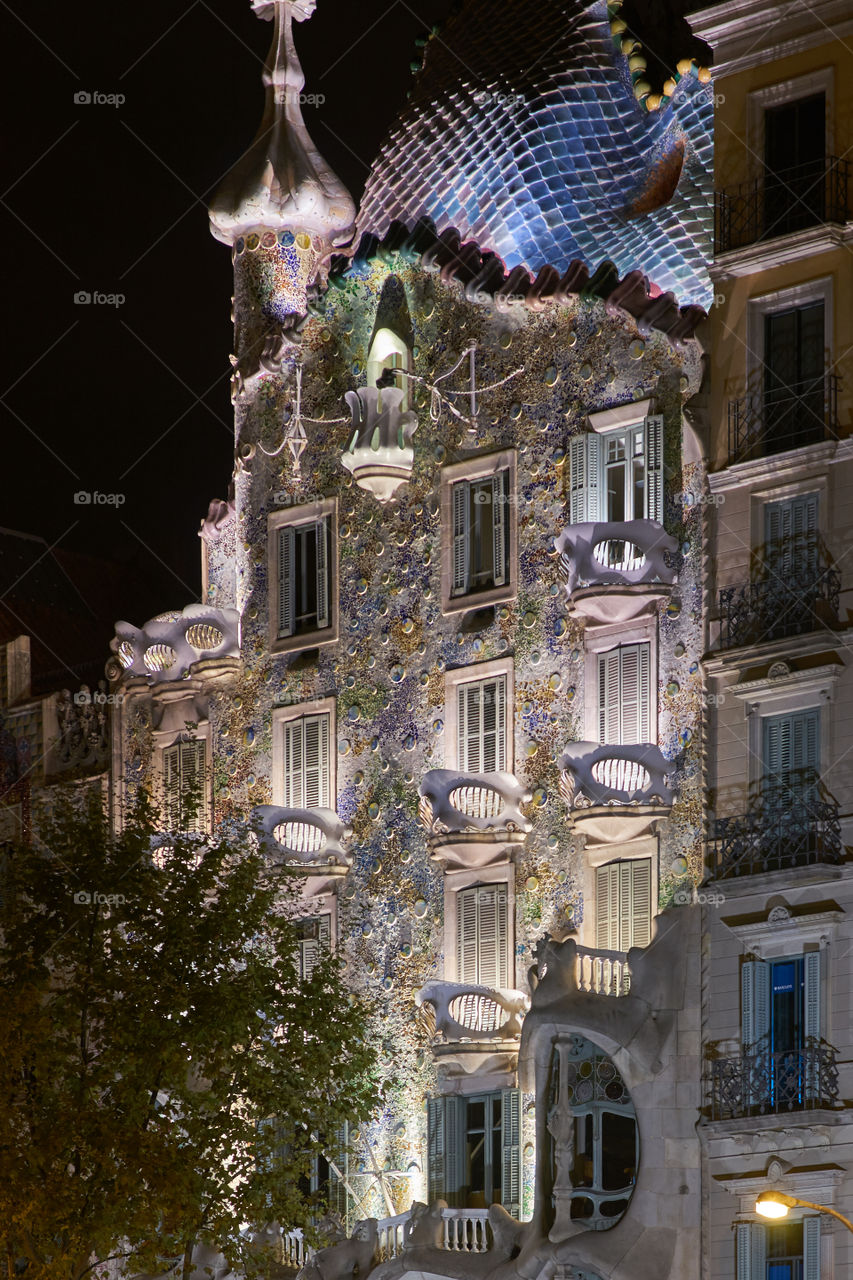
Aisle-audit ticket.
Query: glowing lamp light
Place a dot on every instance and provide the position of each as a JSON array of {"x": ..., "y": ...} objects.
[{"x": 772, "y": 1204}]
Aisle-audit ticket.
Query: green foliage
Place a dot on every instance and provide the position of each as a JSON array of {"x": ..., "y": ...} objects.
[{"x": 152, "y": 1020}]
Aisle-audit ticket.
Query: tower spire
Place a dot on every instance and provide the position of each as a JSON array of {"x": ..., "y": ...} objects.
[{"x": 282, "y": 183}]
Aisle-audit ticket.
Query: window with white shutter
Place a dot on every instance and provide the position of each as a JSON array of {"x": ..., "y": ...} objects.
[
  {"x": 306, "y": 761},
  {"x": 315, "y": 940},
  {"x": 624, "y": 695},
  {"x": 623, "y": 905},
  {"x": 482, "y": 725},
  {"x": 480, "y": 515},
  {"x": 185, "y": 785},
  {"x": 618, "y": 475},
  {"x": 482, "y": 935},
  {"x": 303, "y": 577},
  {"x": 779, "y": 1251}
]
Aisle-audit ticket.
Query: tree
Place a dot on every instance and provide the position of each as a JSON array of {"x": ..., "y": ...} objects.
[{"x": 160, "y": 1050}]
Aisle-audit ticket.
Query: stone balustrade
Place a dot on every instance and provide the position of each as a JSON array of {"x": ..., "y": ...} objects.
[{"x": 602, "y": 973}]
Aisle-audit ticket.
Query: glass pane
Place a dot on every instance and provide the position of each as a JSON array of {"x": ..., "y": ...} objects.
[
  {"x": 618, "y": 1151},
  {"x": 583, "y": 1171},
  {"x": 481, "y": 524},
  {"x": 616, "y": 491},
  {"x": 305, "y": 618},
  {"x": 787, "y": 1005}
]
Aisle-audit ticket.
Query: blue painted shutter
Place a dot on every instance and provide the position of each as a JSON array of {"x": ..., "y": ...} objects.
[
  {"x": 743, "y": 1251},
  {"x": 791, "y": 757},
  {"x": 511, "y": 1151},
  {"x": 755, "y": 1030}
]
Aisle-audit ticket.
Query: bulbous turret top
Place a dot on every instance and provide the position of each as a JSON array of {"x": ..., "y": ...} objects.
[{"x": 282, "y": 181}]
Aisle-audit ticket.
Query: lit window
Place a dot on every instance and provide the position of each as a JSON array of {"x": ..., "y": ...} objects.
[
  {"x": 624, "y": 695},
  {"x": 302, "y": 576},
  {"x": 474, "y": 1150},
  {"x": 618, "y": 475},
  {"x": 388, "y": 360},
  {"x": 481, "y": 725},
  {"x": 185, "y": 786},
  {"x": 307, "y": 765}
]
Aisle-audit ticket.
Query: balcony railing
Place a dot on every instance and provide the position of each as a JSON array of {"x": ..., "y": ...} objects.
[
  {"x": 779, "y": 203},
  {"x": 626, "y": 553},
  {"x": 762, "y": 424},
  {"x": 761, "y": 1083},
  {"x": 303, "y": 837},
  {"x": 776, "y": 837},
  {"x": 602, "y": 973},
  {"x": 468, "y": 1012},
  {"x": 594, "y": 773},
  {"x": 782, "y": 604},
  {"x": 453, "y": 802}
]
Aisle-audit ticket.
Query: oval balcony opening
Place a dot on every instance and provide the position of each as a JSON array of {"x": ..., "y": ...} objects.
[
  {"x": 204, "y": 636},
  {"x": 159, "y": 657},
  {"x": 618, "y": 555},
  {"x": 619, "y": 774},
  {"x": 300, "y": 837},
  {"x": 476, "y": 1012},
  {"x": 477, "y": 802},
  {"x": 124, "y": 653}
]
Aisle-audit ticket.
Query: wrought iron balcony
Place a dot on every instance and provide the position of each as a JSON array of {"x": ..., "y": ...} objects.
[
  {"x": 464, "y": 1011},
  {"x": 782, "y": 604},
  {"x": 762, "y": 424},
  {"x": 311, "y": 839},
  {"x": 779, "y": 203},
  {"x": 761, "y": 1083},
  {"x": 776, "y": 837}
]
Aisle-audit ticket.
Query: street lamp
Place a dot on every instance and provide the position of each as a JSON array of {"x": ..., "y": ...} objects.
[{"x": 774, "y": 1204}]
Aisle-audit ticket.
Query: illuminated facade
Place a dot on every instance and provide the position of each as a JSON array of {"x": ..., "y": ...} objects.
[{"x": 448, "y": 660}]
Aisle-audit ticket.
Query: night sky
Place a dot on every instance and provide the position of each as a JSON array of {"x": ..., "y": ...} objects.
[{"x": 133, "y": 399}]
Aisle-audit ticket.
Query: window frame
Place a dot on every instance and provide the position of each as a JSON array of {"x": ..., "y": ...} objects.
[
  {"x": 281, "y": 716},
  {"x": 473, "y": 469},
  {"x": 800, "y": 295},
  {"x": 167, "y": 741},
  {"x": 781, "y": 94},
  {"x": 588, "y": 453},
  {"x": 600, "y": 640},
  {"x": 750, "y": 1248},
  {"x": 501, "y": 875},
  {"x": 389, "y": 343},
  {"x": 290, "y": 517},
  {"x": 473, "y": 675}
]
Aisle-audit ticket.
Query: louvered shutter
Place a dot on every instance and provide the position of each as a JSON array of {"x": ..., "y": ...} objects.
[
  {"x": 193, "y": 785},
  {"x": 445, "y": 1136},
  {"x": 654, "y": 468},
  {"x": 500, "y": 494},
  {"x": 293, "y": 765},
  {"x": 607, "y": 908},
  {"x": 321, "y": 533},
  {"x": 316, "y": 758},
  {"x": 466, "y": 936},
  {"x": 286, "y": 581},
  {"x": 511, "y": 1151},
  {"x": 338, "y": 1160},
  {"x": 311, "y": 950},
  {"x": 811, "y": 1247},
  {"x": 758, "y": 1251},
  {"x": 481, "y": 715},
  {"x": 811, "y": 1022},
  {"x": 791, "y": 757},
  {"x": 633, "y": 696},
  {"x": 609, "y": 718},
  {"x": 172, "y": 787},
  {"x": 435, "y": 1150},
  {"x": 743, "y": 1251},
  {"x": 585, "y": 481},
  {"x": 638, "y": 918},
  {"x": 755, "y": 1003},
  {"x": 790, "y": 535},
  {"x": 460, "y": 494}
]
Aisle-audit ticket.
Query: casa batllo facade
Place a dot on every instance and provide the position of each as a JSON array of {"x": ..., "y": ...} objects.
[{"x": 448, "y": 662}]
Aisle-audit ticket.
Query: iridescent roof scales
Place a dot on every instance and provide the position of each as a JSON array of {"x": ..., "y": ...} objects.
[{"x": 525, "y": 133}]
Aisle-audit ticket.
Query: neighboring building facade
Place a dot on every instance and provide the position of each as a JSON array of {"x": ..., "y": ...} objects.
[{"x": 777, "y": 1018}]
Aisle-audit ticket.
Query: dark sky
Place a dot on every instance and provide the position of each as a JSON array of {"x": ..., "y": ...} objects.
[{"x": 133, "y": 399}]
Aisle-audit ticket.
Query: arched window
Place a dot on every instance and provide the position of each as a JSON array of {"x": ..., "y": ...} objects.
[{"x": 389, "y": 358}]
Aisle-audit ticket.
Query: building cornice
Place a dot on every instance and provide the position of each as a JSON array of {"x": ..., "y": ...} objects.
[
  {"x": 786, "y": 28},
  {"x": 787, "y": 650},
  {"x": 800, "y": 462},
  {"x": 765, "y": 255}
]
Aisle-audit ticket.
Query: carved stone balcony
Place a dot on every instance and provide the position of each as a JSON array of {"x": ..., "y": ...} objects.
[
  {"x": 602, "y": 973},
  {"x": 167, "y": 646},
  {"x": 618, "y": 570},
  {"x": 307, "y": 840},
  {"x": 615, "y": 793},
  {"x": 472, "y": 1027},
  {"x": 763, "y": 1083},
  {"x": 472, "y": 817},
  {"x": 380, "y": 454},
  {"x": 776, "y": 837},
  {"x": 782, "y": 604}
]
